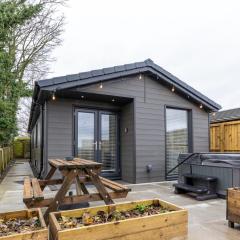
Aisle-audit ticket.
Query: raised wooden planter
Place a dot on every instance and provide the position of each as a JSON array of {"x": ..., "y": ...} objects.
[
  {"x": 26, "y": 214},
  {"x": 169, "y": 225},
  {"x": 233, "y": 206}
]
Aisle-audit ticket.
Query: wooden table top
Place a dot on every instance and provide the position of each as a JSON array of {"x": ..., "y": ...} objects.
[{"x": 75, "y": 163}]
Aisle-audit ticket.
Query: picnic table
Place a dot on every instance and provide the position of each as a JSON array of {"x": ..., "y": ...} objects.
[{"x": 78, "y": 171}]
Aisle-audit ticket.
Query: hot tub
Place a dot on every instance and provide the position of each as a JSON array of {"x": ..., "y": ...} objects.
[{"x": 224, "y": 166}]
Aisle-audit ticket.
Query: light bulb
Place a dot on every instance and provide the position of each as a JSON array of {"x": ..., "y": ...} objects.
[
  {"x": 173, "y": 89},
  {"x": 140, "y": 76},
  {"x": 201, "y": 106},
  {"x": 101, "y": 85},
  {"x": 53, "y": 96}
]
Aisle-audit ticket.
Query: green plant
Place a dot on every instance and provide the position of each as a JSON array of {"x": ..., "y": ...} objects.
[
  {"x": 141, "y": 208},
  {"x": 29, "y": 30}
]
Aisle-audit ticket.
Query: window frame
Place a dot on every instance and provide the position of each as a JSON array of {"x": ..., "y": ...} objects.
[{"x": 190, "y": 133}]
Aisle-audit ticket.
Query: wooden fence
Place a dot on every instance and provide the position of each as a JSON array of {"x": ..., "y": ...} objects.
[
  {"x": 21, "y": 147},
  {"x": 6, "y": 155},
  {"x": 225, "y": 137}
]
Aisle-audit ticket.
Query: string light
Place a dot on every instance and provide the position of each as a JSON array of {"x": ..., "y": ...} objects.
[
  {"x": 82, "y": 96},
  {"x": 173, "y": 89},
  {"x": 113, "y": 100},
  {"x": 101, "y": 85},
  {"x": 53, "y": 96}
]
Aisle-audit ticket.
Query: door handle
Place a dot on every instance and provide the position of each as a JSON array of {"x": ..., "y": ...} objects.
[{"x": 95, "y": 144}]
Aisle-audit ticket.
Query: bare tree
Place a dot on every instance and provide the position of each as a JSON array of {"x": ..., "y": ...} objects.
[
  {"x": 23, "y": 115},
  {"x": 35, "y": 40},
  {"x": 33, "y": 45}
]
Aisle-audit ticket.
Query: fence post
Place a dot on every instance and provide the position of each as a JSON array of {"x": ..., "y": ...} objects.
[
  {"x": 5, "y": 158},
  {"x": 9, "y": 155},
  {"x": 1, "y": 161}
]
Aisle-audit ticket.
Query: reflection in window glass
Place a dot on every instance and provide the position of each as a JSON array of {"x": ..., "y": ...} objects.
[
  {"x": 86, "y": 135},
  {"x": 176, "y": 136},
  {"x": 109, "y": 142}
]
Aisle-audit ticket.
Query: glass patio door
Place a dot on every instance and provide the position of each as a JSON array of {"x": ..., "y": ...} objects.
[{"x": 97, "y": 139}]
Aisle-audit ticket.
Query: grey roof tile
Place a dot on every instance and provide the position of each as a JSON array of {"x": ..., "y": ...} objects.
[
  {"x": 72, "y": 77},
  {"x": 140, "y": 64},
  {"x": 84, "y": 75},
  {"x": 226, "y": 115},
  {"x": 119, "y": 68},
  {"x": 59, "y": 80},
  {"x": 96, "y": 73},
  {"x": 108, "y": 70},
  {"x": 130, "y": 66}
]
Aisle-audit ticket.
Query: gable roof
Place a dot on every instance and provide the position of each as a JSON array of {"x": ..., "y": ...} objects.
[
  {"x": 227, "y": 115},
  {"x": 100, "y": 75}
]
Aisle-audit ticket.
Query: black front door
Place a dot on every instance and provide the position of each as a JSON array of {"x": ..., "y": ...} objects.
[{"x": 97, "y": 139}]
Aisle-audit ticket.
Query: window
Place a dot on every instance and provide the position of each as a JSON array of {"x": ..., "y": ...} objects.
[{"x": 177, "y": 137}]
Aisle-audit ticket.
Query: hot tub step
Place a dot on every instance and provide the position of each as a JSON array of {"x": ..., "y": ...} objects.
[
  {"x": 200, "y": 177},
  {"x": 189, "y": 188}
]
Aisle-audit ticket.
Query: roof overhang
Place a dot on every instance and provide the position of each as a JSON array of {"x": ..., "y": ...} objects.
[{"x": 44, "y": 88}]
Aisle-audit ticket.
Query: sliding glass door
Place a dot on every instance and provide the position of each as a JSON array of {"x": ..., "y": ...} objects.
[
  {"x": 97, "y": 139},
  {"x": 177, "y": 137}
]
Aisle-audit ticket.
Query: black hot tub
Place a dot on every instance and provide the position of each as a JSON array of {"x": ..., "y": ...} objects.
[{"x": 224, "y": 166}]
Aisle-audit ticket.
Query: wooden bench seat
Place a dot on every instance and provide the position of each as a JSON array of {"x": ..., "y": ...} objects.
[
  {"x": 32, "y": 189},
  {"x": 116, "y": 187}
]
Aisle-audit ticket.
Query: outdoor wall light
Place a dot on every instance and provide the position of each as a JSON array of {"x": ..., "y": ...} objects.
[
  {"x": 113, "y": 100},
  {"x": 173, "y": 89},
  {"x": 140, "y": 76},
  {"x": 101, "y": 85},
  {"x": 201, "y": 106},
  {"x": 53, "y": 96},
  {"x": 149, "y": 168}
]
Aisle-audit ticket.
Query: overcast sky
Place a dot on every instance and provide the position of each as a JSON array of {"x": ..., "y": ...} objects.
[{"x": 197, "y": 41}]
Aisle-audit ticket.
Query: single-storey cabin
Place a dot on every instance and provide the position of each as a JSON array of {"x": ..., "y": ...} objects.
[
  {"x": 225, "y": 131},
  {"x": 135, "y": 119}
]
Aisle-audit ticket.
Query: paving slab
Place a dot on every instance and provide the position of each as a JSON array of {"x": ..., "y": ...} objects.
[{"x": 207, "y": 219}]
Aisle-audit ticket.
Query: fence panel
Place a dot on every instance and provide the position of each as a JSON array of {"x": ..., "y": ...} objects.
[
  {"x": 6, "y": 156},
  {"x": 225, "y": 137},
  {"x": 21, "y": 148}
]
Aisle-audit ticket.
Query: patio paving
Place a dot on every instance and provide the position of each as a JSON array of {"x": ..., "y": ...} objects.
[{"x": 207, "y": 220}]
